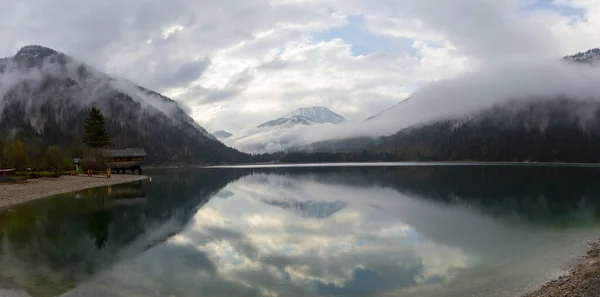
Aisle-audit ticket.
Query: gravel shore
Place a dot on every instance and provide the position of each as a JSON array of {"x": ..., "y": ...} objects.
[
  {"x": 15, "y": 193},
  {"x": 582, "y": 281},
  {"x": 9, "y": 289}
]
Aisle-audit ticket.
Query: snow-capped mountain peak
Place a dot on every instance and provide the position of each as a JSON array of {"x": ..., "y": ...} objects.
[
  {"x": 317, "y": 114},
  {"x": 306, "y": 116}
]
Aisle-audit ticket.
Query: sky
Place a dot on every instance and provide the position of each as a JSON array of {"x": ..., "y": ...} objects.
[{"x": 236, "y": 64}]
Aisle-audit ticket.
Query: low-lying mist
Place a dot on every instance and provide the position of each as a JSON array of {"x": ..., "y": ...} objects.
[
  {"x": 66, "y": 82},
  {"x": 460, "y": 97}
]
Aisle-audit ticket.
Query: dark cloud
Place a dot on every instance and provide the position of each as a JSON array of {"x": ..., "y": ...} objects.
[
  {"x": 201, "y": 95},
  {"x": 182, "y": 74}
]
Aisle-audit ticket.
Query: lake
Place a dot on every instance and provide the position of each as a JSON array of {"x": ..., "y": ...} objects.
[{"x": 411, "y": 230}]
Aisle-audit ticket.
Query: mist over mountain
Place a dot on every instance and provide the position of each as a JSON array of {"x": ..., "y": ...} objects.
[
  {"x": 590, "y": 57},
  {"x": 533, "y": 86},
  {"x": 559, "y": 130},
  {"x": 305, "y": 116},
  {"x": 45, "y": 97},
  {"x": 281, "y": 133}
]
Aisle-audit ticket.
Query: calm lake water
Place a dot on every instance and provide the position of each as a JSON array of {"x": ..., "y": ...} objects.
[{"x": 307, "y": 231}]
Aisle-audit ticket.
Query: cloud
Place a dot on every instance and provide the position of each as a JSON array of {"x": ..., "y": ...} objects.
[
  {"x": 462, "y": 96},
  {"x": 410, "y": 241},
  {"x": 492, "y": 31},
  {"x": 182, "y": 74},
  {"x": 240, "y": 64}
]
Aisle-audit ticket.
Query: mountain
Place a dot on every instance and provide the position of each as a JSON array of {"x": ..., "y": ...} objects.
[
  {"x": 45, "y": 97},
  {"x": 306, "y": 116},
  {"x": 350, "y": 144},
  {"x": 309, "y": 209},
  {"x": 560, "y": 129},
  {"x": 557, "y": 130},
  {"x": 413, "y": 133},
  {"x": 591, "y": 56},
  {"x": 287, "y": 122},
  {"x": 284, "y": 132},
  {"x": 317, "y": 114},
  {"x": 221, "y": 134}
]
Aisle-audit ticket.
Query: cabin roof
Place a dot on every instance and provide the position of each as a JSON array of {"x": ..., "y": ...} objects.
[
  {"x": 7, "y": 170},
  {"x": 128, "y": 152}
]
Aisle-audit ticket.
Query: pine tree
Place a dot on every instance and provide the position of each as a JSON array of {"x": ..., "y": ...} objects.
[{"x": 95, "y": 135}]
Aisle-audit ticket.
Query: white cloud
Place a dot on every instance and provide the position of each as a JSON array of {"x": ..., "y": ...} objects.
[{"x": 238, "y": 64}]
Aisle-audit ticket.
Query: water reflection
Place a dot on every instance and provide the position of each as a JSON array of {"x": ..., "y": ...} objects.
[
  {"x": 50, "y": 246},
  {"x": 426, "y": 231}
]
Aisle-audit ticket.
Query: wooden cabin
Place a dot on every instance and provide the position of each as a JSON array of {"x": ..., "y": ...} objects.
[
  {"x": 122, "y": 160},
  {"x": 6, "y": 175}
]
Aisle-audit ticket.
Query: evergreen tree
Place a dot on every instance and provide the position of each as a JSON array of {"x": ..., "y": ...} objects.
[{"x": 95, "y": 135}]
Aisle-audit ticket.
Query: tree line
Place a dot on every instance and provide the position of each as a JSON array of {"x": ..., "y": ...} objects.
[
  {"x": 13, "y": 154},
  {"x": 23, "y": 152}
]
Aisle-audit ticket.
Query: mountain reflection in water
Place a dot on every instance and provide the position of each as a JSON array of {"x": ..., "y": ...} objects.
[{"x": 398, "y": 231}]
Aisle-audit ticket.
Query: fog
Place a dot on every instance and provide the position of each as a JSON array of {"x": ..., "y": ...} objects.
[
  {"x": 460, "y": 97},
  {"x": 69, "y": 83},
  {"x": 463, "y": 96}
]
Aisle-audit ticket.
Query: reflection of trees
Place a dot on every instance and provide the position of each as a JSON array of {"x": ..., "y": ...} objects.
[
  {"x": 130, "y": 190},
  {"x": 546, "y": 195},
  {"x": 66, "y": 239},
  {"x": 99, "y": 222},
  {"x": 542, "y": 194}
]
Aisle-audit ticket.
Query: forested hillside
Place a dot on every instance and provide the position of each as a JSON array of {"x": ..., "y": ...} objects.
[
  {"x": 46, "y": 97},
  {"x": 558, "y": 130}
]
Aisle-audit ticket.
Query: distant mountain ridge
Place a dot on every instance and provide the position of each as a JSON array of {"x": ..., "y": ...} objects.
[
  {"x": 561, "y": 128},
  {"x": 549, "y": 130},
  {"x": 317, "y": 114},
  {"x": 46, "y": 96},
  {"x": 305, "y": 116},
  {"x": 590, "y": 56}
]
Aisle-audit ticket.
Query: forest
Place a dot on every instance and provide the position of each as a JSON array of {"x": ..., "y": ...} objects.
[
  {"x": 544, "y": 131},
  {"x": 13, "y": 154}
]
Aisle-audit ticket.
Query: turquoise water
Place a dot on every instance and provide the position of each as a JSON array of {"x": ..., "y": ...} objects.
[{"x": 308, "y": 231}]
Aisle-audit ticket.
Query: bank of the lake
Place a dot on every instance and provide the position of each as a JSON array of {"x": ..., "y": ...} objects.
[
  {"x": 583, "y": 280},
  {"x": 16, "y": 193}
]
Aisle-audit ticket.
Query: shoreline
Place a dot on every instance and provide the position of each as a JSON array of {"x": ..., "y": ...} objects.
[
  {"x": 402, "y": 164},
  {"x": 12, "y": 194},
  {"x": 582, "y": 280}
]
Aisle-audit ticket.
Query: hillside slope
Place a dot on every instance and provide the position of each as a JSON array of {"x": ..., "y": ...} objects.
[
  {"x": 559, "y": 130},
  {"x": 45, "y": 96}
]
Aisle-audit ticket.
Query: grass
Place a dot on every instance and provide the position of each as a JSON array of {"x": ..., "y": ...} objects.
[{"x": 42, "y": 174}]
